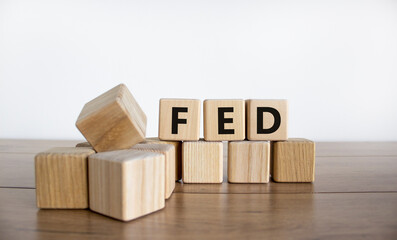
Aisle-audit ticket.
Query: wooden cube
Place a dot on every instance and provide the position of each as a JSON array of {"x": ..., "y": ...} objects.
[
  {"x": 179, "y": 119},
  {"x": 202, "y": 162},
  {"x": 112, "y": 121},
  {"x": 224, "y": 120},
  {"x": 126, "y": 184},
  {"x": 83, "y": 144},
  {"x": 248, "y": 162},
  {"x": 178, "y": 154},
  {"x": 61, "y": 178},
  {"x": 168, "y": 150},
  {"x": 293, "y": 161},
  {"x": 267, "y": 119}
]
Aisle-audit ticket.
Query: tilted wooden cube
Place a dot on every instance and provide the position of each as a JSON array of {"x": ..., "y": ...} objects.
[
  {"x": 202, "y": 162},
  {"x": 179, "y": 119},
  {"x": 61, "y": 178},
  {"x": 248, "y": 162},
  {"x": 178, "y": 154},
  {"x": 224, "y": 120},
  {"x": 112, "y": 121},
  {"x": 168, "y": 150},
  {"x": 293, "y": 161},
  {"x": 267, "y": 119},
  {"x": 126, "y": 184}
]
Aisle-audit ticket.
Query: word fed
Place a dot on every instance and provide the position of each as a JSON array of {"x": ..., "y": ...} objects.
[{"x": 224, "y": 120}]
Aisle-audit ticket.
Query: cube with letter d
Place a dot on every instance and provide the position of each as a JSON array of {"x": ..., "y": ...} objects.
[
  {"x": 267, "y": 119},
  {"x": 179, "y": 119}
]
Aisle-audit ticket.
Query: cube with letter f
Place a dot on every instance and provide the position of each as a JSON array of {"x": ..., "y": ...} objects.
[{"x": 179, "y": 119}]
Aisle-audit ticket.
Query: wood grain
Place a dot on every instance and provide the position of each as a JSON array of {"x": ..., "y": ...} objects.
[
  {"x": 354, "y": 197},
  {"x": 293, "y": 161},
  {"x": 126, "y": 184},
  {"x": 112, "y": 121},
  {"x": 202, "y": 162},
  {"x": 32, "y": 145},
  {"x": 211, "y": 120},
  {"x": 356, "y": 149},
  {"x": 323, "y": 149},
  {"x": 17, "y": 170},
  {"x": 189, "y": 131},
  {"x": 248, "y": 162},
  {"x": 156, "y": 140},
  {"x": 212, "y": 216},
  {"x": 268, "y": 119},
  {"x": 178, "y": 154},
  {"x": 168, "y": 150},
  {"x": 333, "y": 174},
  {"x": 61, "y": 178}
]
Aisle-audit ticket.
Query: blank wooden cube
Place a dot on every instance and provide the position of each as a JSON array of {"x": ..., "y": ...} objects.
[
  {"x": 179, "y": 119},
  {"x": 202, "y": 162},
  {"x": 61, "y": 178},
  {"x": 248, "y": 162},
  {"x": 293, "y": 161},
  {"x": 112, "y": 121},
  {"x": 267, "y": 119},
  {"x": 224, "y": 120},
  {"x": 126, "y": 184},
  {"x": 168, "y": 150},
  {"x": 178, "y": 154}
]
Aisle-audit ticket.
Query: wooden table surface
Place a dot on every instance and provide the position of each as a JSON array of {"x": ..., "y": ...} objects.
[{"x": 354, "y": 197}]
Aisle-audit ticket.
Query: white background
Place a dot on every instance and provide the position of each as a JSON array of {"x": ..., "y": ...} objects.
[{"x": 335, "y": 61}]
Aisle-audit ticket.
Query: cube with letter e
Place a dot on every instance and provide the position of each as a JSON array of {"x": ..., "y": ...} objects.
[{"x": 224, "y": 120}]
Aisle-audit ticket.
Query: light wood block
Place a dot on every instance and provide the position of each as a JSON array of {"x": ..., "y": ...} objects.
[
  {"x": 112, "y": 121},
  {"x": 83, "y": 144},
  {"x": 126, "y": 184},
  {"x": 224, "y": 120},
  {"x": 155, "y": 140},
  {"x": 168, "y": 150},
  {"x": 179, "y": 119},
  {"x": 248, "y": 162},
  {"x": 61, "y": 178},
  {"x": 293, "y": 161},
  {"x": 202, "y": 162},
  {"x": 267, "y": 119},
  {"x": 178, "y": 154}
]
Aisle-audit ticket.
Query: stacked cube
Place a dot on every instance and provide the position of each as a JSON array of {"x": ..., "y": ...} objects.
[
  {"x": 121, "y": 174},
  {"x": 265, "y": 122},
  {"x": 117, "y": 173}
]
